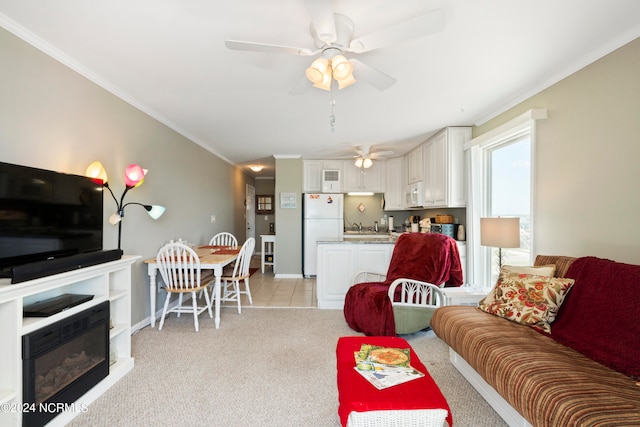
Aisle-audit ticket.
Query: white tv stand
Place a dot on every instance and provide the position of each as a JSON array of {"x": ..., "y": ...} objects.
[{"x": 110, "y": 281}]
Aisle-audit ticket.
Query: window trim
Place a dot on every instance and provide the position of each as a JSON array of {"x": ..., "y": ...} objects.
[{"x": 478, "y": 257}]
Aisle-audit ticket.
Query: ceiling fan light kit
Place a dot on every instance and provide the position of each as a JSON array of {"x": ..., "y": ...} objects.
[
  {"x": 322, "y": 70},
  {"x": 332, "y": 34},
  {"x": 363, "y": 162}
]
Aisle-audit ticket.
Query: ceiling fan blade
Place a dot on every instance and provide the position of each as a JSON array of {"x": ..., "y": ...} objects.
[
  {"x": 379, "y": 154},
  {"x": 428, "y": 23},
  {"x": 268, "y": 48},
  {"x": 301, "y": 87},
  {"x": 322, "y": 19},
  {"x": 372, "y": 76}
]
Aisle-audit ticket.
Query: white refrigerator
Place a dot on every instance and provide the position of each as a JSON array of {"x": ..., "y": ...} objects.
[{"x": 322, "y": 221}]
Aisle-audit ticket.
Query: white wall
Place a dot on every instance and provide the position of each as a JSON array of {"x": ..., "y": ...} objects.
[
  {"x": 53, "y": 118},
  {"x": 588, "y": 160}
]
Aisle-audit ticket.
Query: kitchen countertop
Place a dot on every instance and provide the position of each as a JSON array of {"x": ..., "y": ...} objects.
[{"x": 371, "y": 240}]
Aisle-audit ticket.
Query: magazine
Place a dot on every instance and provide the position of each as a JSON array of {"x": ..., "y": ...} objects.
[{"x": 384, "y": 367}]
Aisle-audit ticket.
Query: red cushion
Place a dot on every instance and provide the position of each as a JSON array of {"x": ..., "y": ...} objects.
[
  {"x": 599, "y": 316},
  {"x": 355, "y": 393}
]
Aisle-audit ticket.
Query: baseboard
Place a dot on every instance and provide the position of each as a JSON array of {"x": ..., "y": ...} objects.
[
  {"x": 493, "y": 398},
  {"x": 288, "y": 276},
  {"x": 147, "y": 320}
]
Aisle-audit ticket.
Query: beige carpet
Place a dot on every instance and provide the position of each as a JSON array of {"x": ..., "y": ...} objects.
[{"x": 264, "y": 367}]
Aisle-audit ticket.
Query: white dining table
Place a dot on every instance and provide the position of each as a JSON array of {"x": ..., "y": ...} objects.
[{"x": 211, "y": 258}]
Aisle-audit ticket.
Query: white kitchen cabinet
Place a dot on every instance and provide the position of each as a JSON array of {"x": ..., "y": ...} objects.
[
  {"x": 444, "y": 168},
  {"x": 312, "y": 176},
  {"x": 312, "y": 173},
  {"x": 415, "y": 165},
  {"x": 395, "y": 184},
  {"x": 364, "y": 179},
  {"x": 338, "y": 262}
]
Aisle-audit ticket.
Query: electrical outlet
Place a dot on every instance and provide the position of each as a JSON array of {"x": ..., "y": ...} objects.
[{"x": 213, "y": 219}]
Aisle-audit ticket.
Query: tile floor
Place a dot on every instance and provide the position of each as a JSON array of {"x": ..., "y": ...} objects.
[{"x": 267, "y": 291}]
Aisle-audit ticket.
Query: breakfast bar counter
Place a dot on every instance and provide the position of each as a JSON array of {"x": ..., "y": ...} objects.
[{"x": 339, "y": 261}]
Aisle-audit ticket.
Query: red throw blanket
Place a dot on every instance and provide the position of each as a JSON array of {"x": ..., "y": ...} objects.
[
  {"x": 432, "y": 258},
  {"x": 599, "y": 317}
]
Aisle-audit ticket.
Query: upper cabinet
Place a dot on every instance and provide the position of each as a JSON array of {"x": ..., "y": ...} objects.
[
  {"x": 313, "y": 176},
  {"x": 415, "y": 165},
  {"x": 364, "y": 179},
  {"x": 395, "y": 184},
  {"x": 444, "y": 168}
]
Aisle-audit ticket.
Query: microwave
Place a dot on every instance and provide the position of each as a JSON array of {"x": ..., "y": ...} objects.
[{"x": 414, "y": 195}]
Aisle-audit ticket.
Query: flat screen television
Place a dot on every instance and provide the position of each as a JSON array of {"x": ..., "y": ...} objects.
[{"x": 46, "y": 215}]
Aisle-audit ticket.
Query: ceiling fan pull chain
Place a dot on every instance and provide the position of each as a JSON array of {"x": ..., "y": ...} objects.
[{"x": 332, "y": 116}]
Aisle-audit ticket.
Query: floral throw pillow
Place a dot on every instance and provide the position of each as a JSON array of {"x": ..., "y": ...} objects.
[
  {"x": 540, "y": 270},
  {"x": 527, "y": 299}
]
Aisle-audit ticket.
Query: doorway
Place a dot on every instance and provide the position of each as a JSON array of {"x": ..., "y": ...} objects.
[{"x": 250, "y": 211}]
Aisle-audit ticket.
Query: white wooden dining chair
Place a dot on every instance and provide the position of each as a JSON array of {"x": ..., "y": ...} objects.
[
  {"x": 230, "y": 283},
  {"x": 179, "y": 268},
  {"x": 224, "y": 239}
]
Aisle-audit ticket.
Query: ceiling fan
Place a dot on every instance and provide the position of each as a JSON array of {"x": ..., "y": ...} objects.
[
  {"x": 365, "y": 156},
  {"x": 332, "y": 34}
]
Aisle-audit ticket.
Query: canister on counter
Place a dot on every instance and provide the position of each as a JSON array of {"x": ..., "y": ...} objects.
[{"x": 448, "y": 230}]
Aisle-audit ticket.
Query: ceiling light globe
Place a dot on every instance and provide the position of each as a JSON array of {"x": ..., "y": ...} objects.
[
  {"x": 314, "y": 75},
  {"x": 358, "y": 162},
  {"x": 341, "y": 67},
  {"x": 367, "y": 163}
]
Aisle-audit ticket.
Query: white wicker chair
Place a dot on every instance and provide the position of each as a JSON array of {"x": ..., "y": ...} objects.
[
  {"x": 418, "y": 301},
  {"x": 179, "y": 268}
]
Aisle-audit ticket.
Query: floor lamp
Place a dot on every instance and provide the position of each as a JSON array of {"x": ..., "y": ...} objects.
[
  {"x": 500, "y": 233},
  {"x": 133, "y": 177}
]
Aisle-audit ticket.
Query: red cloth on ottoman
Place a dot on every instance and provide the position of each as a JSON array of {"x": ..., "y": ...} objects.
[
  {"x": 428, "y": 257},
  {"x": 355, "y": 393}
]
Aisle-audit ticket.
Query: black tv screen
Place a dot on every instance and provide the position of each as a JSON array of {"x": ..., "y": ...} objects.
[{"x": 46, "y": 214}]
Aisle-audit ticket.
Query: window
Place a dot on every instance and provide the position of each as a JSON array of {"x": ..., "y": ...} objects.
[
  {"x": 264, "y": 204},
  {"x": 501, "y": 184},
  {"x": 508, "y": 173}
]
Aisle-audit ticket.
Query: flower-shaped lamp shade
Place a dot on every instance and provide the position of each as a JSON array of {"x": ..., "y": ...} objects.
[
  {"x": 114, "y": 219},
  {"x": 156, "y": 211},
  {"x": 97, "y": 172},
  {"x": 134, "y": 175}
]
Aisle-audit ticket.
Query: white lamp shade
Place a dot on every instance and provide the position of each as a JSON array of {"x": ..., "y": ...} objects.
[
  {"x": 366, "y": 163},
  {"x": 358, "y": 162},
  {"x": 500, "y": 232}
]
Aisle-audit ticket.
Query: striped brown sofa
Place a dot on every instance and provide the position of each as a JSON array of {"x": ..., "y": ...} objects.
[{"x": 586, "y": 372}]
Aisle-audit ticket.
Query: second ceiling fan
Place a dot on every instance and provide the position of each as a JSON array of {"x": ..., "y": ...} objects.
[{"x": 332, "y": 34}]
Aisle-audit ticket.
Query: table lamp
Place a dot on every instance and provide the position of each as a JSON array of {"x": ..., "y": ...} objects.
[{"x": 500, "y": 233}]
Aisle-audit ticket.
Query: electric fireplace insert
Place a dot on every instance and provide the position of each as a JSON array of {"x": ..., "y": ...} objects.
[{"x": 63, "y": 361}]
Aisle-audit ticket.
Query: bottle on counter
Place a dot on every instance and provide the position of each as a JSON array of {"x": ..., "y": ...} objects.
[{"x": 461, "y": 235}]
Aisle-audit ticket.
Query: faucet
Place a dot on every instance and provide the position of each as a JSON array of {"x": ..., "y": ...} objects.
[{"x": 358, "y": 226}]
